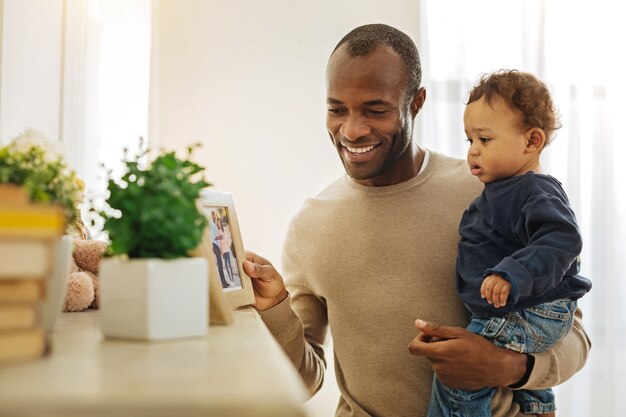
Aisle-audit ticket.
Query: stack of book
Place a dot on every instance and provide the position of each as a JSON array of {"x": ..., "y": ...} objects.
[{"x": 27, "y": 235}]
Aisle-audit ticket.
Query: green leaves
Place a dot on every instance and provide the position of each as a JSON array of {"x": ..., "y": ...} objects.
[
  {"x": 47, "y": 179},
  {"x": 154, "y": 208}
]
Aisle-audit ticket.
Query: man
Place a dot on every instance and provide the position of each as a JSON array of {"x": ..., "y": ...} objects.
[{"x": 377, "y": 249}]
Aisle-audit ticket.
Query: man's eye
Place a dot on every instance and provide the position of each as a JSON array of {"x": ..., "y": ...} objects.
[
  {"x": 335, "y": 110},
  {"x": 375, "y": 112}
]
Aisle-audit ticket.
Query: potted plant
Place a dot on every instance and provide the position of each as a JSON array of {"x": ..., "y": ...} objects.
[
  {"x": 151, "y": 288},
  {"x": 32, "y": 163},
  {"x": 32, "y": 171}
]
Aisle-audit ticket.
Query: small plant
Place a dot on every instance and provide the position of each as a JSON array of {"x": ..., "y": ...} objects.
[
  {"x": 152, "y": 210},
  {"x": 28, "y": 161}
]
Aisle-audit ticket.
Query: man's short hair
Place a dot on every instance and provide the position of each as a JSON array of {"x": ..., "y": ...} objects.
[{"x": 362, "y": 40}]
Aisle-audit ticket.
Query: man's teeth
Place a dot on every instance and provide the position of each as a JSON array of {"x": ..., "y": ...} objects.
[{"x": 360, "y": 150}]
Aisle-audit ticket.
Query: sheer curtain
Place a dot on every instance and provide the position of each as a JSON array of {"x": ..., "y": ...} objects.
[
  {"x": 572, "y": 47},
  {"x": 106, "y": 78}
]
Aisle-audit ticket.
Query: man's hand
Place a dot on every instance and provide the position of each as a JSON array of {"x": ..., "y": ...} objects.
[
  {"x": 496, "y": 290},
  {"x": 268, "y": 285},
  {"x": 462, "y": 359}
]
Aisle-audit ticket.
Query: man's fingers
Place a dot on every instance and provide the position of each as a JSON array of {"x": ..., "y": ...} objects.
[
  {"x": 257, "y": 259},
  {"x": 437, "y": 330},
  {"x": 422, "y": 345},
  {"x": 425, "y": 343},
  {"x": 257, "y": 266},
  {"x": 423, "y": 337},
  {"x": 250, "y": 256},
  {"x": 263, "y": 272},
  {"x": 250, "y": 268},
  {"x": 268, "y": 285}
]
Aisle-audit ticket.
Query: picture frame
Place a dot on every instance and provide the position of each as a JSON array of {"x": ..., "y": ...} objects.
[
  {"x": 219, "y": 310},
  {"x": 225, "y": 250}
]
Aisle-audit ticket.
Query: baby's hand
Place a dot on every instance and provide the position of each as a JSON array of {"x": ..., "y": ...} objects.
[{"x": 496, "y": 290}]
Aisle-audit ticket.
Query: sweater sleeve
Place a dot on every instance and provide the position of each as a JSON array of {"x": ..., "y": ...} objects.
[
  {"x": 560, "y": 363},
  {"x": 300, "y": 322},
  {"x": 553, "y": 243}
]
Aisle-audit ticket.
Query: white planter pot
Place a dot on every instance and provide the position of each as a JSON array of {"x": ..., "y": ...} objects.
[{"x": 154, "y": 299}]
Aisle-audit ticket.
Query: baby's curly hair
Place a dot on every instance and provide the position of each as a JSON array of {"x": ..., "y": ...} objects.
[{"x": 523, "y": 92}]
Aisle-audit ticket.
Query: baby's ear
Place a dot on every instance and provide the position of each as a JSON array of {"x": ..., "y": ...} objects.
[{"x": 535, "y": 140}]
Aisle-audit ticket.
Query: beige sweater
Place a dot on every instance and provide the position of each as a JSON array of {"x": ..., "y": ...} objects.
[{"x": 367, "y": 262}]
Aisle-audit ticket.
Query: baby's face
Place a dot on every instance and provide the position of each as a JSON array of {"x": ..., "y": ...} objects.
[{"x": 497, "y": 141}]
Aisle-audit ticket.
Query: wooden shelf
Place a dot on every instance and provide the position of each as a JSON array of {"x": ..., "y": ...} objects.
[{"x": 236, "y": 370}]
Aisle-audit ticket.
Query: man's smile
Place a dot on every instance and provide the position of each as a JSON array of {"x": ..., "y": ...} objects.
[{"x": 360, "y": 150}]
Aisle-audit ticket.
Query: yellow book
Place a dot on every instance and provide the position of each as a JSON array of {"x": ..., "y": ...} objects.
[
  {"x": 22, "y": 345},
  {"x": 31, "y": 220},
  {"x": 25, "y": 258},
  {"x": 25, "y": 290},
  {"x": 18, "y": 317}
]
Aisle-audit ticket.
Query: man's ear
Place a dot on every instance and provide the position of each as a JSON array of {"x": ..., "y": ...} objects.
[
  {"x": 418, "y": 101},
  {"x": 535, "y": 140}
]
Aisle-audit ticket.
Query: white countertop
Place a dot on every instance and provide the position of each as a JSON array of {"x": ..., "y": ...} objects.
[{"x": 236, "y": 370}]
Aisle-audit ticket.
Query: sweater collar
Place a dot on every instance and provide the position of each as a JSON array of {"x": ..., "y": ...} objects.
[{"x": 431, "y": 160}]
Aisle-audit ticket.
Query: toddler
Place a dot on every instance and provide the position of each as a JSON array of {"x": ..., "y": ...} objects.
[{"x": 518, "y": 260}]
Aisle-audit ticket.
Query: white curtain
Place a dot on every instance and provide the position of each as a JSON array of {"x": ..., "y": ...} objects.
[
  {"x": 106, "y": 80},
  {"x": 574, "y": 46}
]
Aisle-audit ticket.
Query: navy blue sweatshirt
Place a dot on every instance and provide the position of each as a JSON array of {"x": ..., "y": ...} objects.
[{"x": 523, "y": 229}]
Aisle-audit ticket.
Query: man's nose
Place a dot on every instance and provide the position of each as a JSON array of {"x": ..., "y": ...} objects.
[{"x": 354, "y": 128}]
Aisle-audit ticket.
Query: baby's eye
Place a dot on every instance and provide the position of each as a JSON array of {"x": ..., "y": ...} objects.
[
  {"x": 469, "y": 140},
  {"x": 484, "y": 140}
]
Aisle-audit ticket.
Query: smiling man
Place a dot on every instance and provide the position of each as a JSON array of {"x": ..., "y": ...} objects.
[
  {"x": 377, "y": 248},
  {"x": 371, "y": 112}
]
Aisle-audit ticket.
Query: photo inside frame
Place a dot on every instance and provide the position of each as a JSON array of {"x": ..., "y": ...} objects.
[
  {"x": 219, "y": 309},
  {"x": 223, "y": 248}
]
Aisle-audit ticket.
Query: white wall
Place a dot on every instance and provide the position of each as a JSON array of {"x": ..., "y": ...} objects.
[
  {"x": 30, "y": 82},
  {"x": 244, "y": 78},
  {"x": 247, "y": 80}
]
